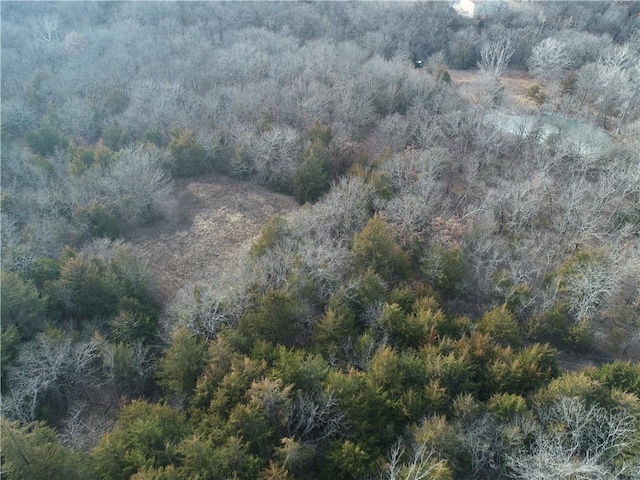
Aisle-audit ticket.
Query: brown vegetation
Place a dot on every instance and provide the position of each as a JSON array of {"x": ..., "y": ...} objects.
[
  {"x": 211, "y": 219},
  {"x": 516, "y": 83}
]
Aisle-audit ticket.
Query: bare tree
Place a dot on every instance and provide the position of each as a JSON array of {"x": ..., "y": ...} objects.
[
  {"x": 312, "y": 420},
  {"x": 577, "y": 441},
  {"x": 136, "y": 186},
  {"x": 495, "y": 56},
  {"x": 44, "y": 368},
  {"x": 277, "y": 154},
  {"x": 46, "y": 27},
  {"x": 422, "y": 464},
  {"x": 549, "y": 60},
  {"x": 200, "y": 311}
]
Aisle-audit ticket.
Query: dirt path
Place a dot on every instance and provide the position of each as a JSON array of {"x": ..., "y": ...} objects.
[{"x": 211, "y": 219}]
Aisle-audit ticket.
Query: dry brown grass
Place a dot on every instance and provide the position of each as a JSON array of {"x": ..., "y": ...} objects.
[
  {"x": 211, "y": 219},
  {"x": 516, "y": 83}
]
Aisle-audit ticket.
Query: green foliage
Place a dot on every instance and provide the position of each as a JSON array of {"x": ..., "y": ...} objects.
[
  {"x": 21, "y": 304},
  {"x": 294, "y": 456},
  {"x": 233, "y": 460},
  {"x": 575, "y": 384},
  {"x": 127, "y": 367},
  {"x": 464, "y": 55},
  {"x": 370, "y": 289},
  {"x": 145, "y": 435},
  {"x": 624, "y": 376},
  {"x": 312, "y": 178},
  {"x": 115, "y": 138},
  {"x": 522, "y": 372},
  {"x": 516, "y": 296},
  {"x": 242, "y": 164},
  {"x": 507, "y": 405},
  {"x": 221, "y": 357},
  {"x": 131, "y": 327},
  {"x": 559, "y": 327},
  {"x": 320, "y": 134},
  {"x": 335, "y": 326},
  {"x": 221, "y": 153},
  {"x": 83, "y": 158},
  {"x": 10, "y": 340},
  {"x": 33, "y": 451},
  {"x": 100, "y": 222},
  {"x": 500, "y": 324},
  {"x": 89, "y": 291},
  {"x": 443, "y": 268},
  {"x": 437, "y": 435},
  {"x": 375, "y": 248},
  {"x": 158, "y": 137},
  {"x": 273, "y": 320},
  {"x": 304, "y": 372},
  {"x": 45, "y": 141},
  {"x": 98, "y": 293},
  {"x": 436, "y": 323},
  {"x": 234, "y": 385},
  {"x": 250, "y": 422},
  {"x": 190, "y": 158},
  {"x": 274, "y": 471},
  {"x": 403, "y": 330},
  {"x": 274, "y": 232},
  {"x": 454, "y": 373},
  {"x": 373, "y": 413},
  {"x": 43, "y": 270},
  {"x": 348, "y": 460},
  {"x": 182, "y": 363}
]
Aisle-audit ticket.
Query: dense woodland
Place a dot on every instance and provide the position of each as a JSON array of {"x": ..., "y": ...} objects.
[{"x": 406, "y": 322}]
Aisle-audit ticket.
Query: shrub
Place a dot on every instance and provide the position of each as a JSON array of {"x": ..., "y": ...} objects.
[
  {"x": 273, "y": 320},
  {"x": 144, "y": 435},
  {"x": 348, "y": 460},
  {"x": 403, "y": 330},
  {"x": 577, "y": 385},
  {"x": 507, "y": 405},
  {"x": 370, "y": 289},
  {"x": 536, "y": 94},
  {"x": 189, "y": 156},
  {"x": 132, "y": 327},
  {"x": 116, "y": 138},
  {"x": 375, "y": 248},
  {"x": 45, "y": 141},
  {"x": 21, "y": 304},
  {"x": 443, "y": 268},
  {"x": 43, "y": 270},
  {"x": 332, "y": 329},
  {"x": 242, "y": 164},
  {"x": 560, "y": 328},
  {"x": 442, "y": 75},
  {"x": 274, "y": 232},
  {"x": 10, "y": 341},
  {"x": 312, "y": 177},
  {"x": 34, "y": 451},
  {"x": 624, "y": 376},
  {"x": 99, "y": 220},
  {"x": 500, "y": 324}
]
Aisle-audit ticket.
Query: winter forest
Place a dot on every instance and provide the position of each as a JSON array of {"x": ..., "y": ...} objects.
[{"x": 421, "y": 257}]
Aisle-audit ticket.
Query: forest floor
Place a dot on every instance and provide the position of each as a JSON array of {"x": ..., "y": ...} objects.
[
  {"x": 516, "y": 83},
  {"x": 211, "y": 219}
]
